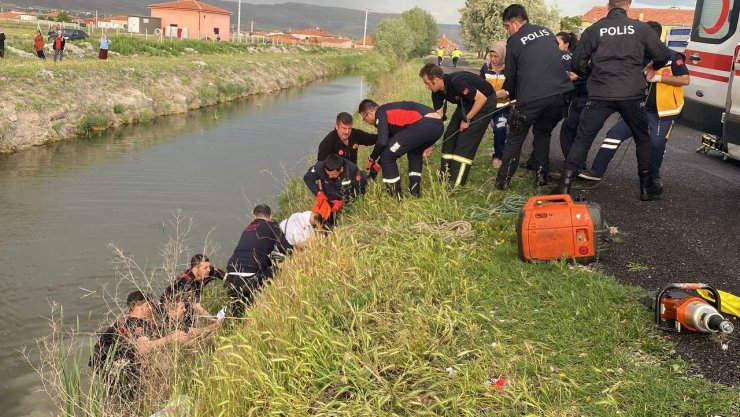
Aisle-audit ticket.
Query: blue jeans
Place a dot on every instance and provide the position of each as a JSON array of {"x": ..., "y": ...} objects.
[
  {"x": 660, "y": 130},
  {"x": 498, "y": 126}
]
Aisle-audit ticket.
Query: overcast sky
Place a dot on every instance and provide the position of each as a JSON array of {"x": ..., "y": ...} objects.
[{"x": 446, "y": 11}]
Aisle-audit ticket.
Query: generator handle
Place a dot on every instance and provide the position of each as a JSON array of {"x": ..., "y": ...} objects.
[
  {"x": 686, "y": 286},
  {"x": 555, "y": 198}
]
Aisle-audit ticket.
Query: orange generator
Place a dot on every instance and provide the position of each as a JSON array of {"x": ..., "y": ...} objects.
[{"x": 555, "y": 227}]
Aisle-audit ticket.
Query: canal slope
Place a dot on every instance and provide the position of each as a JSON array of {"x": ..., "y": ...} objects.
[
  {"x": 48, "y": 102},
  {"x": 396, "y": 313}
]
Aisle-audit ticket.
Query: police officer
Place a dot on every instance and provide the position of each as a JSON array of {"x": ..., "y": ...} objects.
[
  {"x": 611, "y": 53},
  {"x": 334, "y": 181},
  {"x": 476, "y": 103},
  {"x": 537, "y": 80},
  {"x": 567, "y": 42},
  {"x": 404, "y": 128},
  {"x": 344, "y": 140},
  {"x": 250, "y": 264}
]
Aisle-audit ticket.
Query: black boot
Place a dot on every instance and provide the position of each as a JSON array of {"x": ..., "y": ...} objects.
[
  {"x": 540, "y": 177},
  {"x": 566, "y": 179},
  {"x": 649, "y": 190}
]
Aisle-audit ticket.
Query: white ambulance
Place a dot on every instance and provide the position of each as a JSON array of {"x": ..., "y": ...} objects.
[{"x": 712, "y": 100}]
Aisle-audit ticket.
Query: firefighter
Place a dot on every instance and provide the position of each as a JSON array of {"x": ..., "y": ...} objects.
[
  {"x": 663, "y": 106},
  {"x": 537, "y": 80},
  {"x": 404, "y": 128},
  {"x": 335, "y": 182},
  {"x": 476, "y": 103},
  {"x": 344, "y": 140},
  {"x": 118, "y": 354},
  {"x": 191, "y": 284},
  {"x": 611, "y": 53},
  {"x": 250, "y": 264}
]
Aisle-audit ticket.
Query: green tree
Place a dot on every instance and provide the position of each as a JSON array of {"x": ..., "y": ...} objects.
[
  {"x": 571, "y": 24},
  {"x": 395, "y": 39},
  {"x": 64, "y": 17},
  {"x": 481, "y": 23},
  {"x": 424, "y": 28}
]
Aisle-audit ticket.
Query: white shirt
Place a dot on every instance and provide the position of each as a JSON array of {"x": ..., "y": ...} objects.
[{"x": 297, "y": 227}]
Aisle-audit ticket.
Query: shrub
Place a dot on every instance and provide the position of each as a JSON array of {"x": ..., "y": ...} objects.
[
  {"x": 92, "y": 122},
  {"x": 118, "y": 108}
]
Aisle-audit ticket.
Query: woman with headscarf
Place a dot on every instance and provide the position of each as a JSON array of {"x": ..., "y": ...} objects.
[
  {"x": 493, "y": 72},
  {"x": 38, "y": 45}
]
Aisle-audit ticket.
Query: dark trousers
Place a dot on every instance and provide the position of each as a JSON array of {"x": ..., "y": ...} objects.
[
  {"x": 439, "y": 61},
  {"x": 659, "y": 128},
  {"x": 454, "y": 61},
  {"x": 542, "y": 116},
  {"x": 570, "y": 125},
  {"x": 594, "y": 116},
  {"x": 41, "y": 54},
  {"x": 458, "y": 149},
  {"x": 411, "y": 141},
  {"x": 243, "y": 289},
  {"x": 2, "y": 52},
  {"x": 498, "y": 125}
]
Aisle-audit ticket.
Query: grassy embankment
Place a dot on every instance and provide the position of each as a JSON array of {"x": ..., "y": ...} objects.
[
  {"x": 385, "y": 317},
  {"x": 50, "y": 101}
]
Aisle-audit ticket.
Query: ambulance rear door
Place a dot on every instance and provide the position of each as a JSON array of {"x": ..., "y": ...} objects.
[
  {"x": 709, "y": 57},
  {"x": 731, "y": 134}
]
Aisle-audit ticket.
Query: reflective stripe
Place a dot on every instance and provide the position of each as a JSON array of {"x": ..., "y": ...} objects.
[
  {"x": 460, "y": 174},
  {"x": 605, "y": 146},
  {"x": 392, "y": 180},
  {"x": 414, "y": 174},
  {"x": 447, "y": 156},
  {"x": 242, "y": 274},
  {"x": 617, "y": 141},
  {"x": 501, "y": 124},
  {"x": 462, "y": 160},
  {"x": 347, "y": 182}
]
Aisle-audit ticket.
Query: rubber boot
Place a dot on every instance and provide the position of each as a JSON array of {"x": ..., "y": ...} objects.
[
  {"x": 649, "y": 190},
  {"x": 540, "y": 177},
  {"x": 415, "y": 186},
  {"x": 566, "y": 180}
]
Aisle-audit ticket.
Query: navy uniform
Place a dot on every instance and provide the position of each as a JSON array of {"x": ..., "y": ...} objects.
[
  {"x": 573, "y": 114},
  {"x": 458, "y": 149},
  {"x": 537, "y": 80},
  {"x": 114, "y": 356},
  {"x": 250, "y": 264},
  {"x": 404, "y": 129},
  {"x": 611, "y": 54},
  {"x": 350, "y": 184},
  {"x": 332, "y": 145},
  {"x": 187, "y": 283}
]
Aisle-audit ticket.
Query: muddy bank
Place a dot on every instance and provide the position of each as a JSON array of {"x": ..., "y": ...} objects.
[{"x": 47, "y": 102}]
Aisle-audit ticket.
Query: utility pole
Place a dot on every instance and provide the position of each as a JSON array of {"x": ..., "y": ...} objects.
[
  {"x": 239, "y": 22},
  {"x": 364, "y": 31}
]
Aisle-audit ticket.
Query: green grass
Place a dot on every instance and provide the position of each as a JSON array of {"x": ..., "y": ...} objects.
[
  {"x": 383, "y": 319},
  {"x": 93, "y": 122}
]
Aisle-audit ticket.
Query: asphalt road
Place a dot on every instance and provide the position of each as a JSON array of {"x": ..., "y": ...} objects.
[{"x": 691, "y": 235}]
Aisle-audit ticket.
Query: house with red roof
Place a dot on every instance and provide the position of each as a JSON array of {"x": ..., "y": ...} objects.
[
  {"x": 309, "y": 33},
  {"x": 192, "y": 19},
  {"x": 19, "y": 15},
  {"x": 446, "y": 44},
  {"x": 366, "y": 42}
]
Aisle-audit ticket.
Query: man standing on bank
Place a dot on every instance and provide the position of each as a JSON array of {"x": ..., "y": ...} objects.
[
  {"x": 537, "y": 80},
  {"x": 476, "y": 103},
  {"x": 344, "y": 140},
  {"x": 611, "y": 54}
]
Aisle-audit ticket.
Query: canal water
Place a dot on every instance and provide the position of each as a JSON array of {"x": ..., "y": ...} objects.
[{"x": 62, "y": 205}]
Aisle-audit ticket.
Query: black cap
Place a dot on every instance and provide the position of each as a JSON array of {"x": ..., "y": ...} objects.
[{"x": 137, "y": 297}]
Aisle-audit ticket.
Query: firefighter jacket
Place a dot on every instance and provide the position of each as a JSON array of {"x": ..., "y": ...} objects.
[
  {"x": 534, "y": 67},
  {"x": 611, "y": 54},
  {"x": 350, "y": 183}
]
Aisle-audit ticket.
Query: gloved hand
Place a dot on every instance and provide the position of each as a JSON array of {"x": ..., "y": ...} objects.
[
  {"x": 336, "y": 205},
  {"x": 372, "y": 169},
  {"x": 321, "y": 197}
]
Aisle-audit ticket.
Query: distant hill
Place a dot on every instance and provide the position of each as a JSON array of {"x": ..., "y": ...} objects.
[{"x": 338, "y": 20}]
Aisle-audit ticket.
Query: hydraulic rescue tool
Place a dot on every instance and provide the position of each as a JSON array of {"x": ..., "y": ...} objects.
[
  {"x": 554, "y": 227},
  {"x": 675, "y": 310}
]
